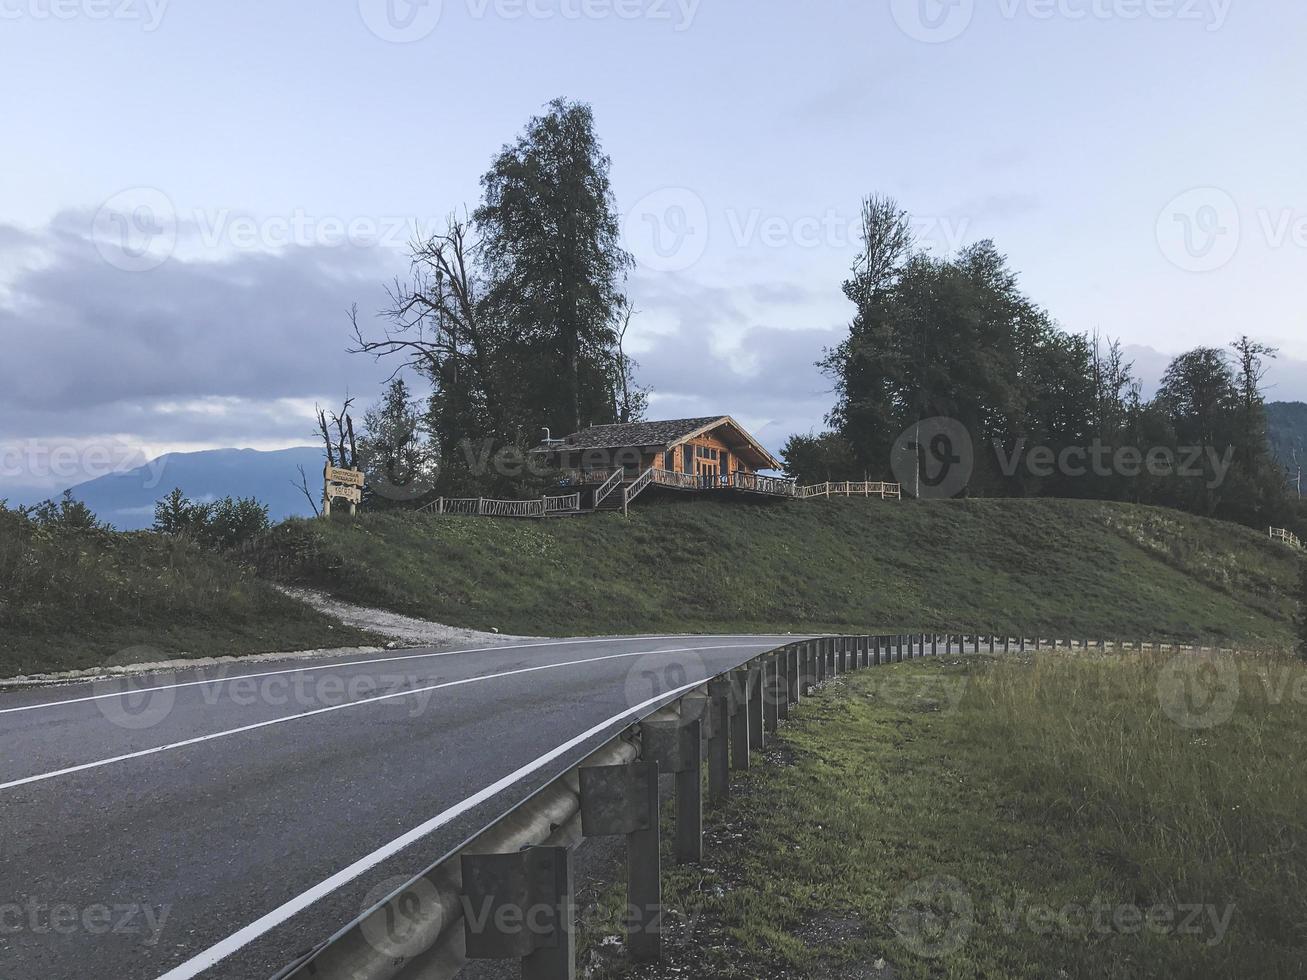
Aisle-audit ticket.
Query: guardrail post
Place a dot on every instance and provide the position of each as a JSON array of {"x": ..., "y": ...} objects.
[
  {"x": 677, "y": 747},
  {"x": 793, "y": 672},
  {"x": 821, "y": 660},
  {"x": 720, "y": 695},
  {"x": 757, "y": 705},
  {"x": 991, "y": 645},
  {"x": 1007, "y": 644},
  {"x": 784, "y": 684},
  {"x": 1021, "y": 640},
  {"x": 875, "y": 651},
  {"x": 740, "y": 719},
  {"x": 899, "y": 657},
  {"x": 934, "y": 644},
  {"x": 623, "y": 801},
  {"x": 507, "y": 894},
  {"x": 771, "y": 684}
]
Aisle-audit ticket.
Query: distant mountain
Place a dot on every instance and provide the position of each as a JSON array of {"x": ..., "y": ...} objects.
[
  {"x": 126, "y": 500},
  {"x": 1288, "y": 431}
]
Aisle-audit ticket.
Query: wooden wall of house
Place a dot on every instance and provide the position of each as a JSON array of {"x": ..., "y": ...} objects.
[{"x": 727, "y": 461}]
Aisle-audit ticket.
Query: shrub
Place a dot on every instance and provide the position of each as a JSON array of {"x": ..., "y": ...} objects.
[{"x": 222, "y": 524}]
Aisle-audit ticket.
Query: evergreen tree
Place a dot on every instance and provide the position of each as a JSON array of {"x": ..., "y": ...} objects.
[
  {"x": 399, "y": 462},
  {"x": 550, "y": 241}
]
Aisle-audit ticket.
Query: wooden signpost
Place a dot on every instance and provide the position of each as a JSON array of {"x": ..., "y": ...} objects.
[{"x": 341, "y": 484}]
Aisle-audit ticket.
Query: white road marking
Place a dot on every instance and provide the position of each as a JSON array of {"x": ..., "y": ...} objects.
[
  {"x": 41, "y": 777},
  {"x": 221, "y": 950},
  {"x": 361, "y": 663}
]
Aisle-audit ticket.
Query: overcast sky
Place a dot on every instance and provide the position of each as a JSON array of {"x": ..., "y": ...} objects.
[{"x": 194, "y": 194}]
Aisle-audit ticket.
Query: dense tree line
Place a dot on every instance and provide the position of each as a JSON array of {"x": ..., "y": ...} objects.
[
  {"x": 514, "y": 315},
  {"x": 1047, "y": 412}
]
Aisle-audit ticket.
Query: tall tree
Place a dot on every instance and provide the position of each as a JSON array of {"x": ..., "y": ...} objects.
[
  {"x": 398, "y": 461},
  {"x": 551, "y": 245}
]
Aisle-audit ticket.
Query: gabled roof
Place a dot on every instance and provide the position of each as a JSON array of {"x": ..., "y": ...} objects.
[{"x": 655, "y": 435}]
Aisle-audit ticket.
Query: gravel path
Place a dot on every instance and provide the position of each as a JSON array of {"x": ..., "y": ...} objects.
[{"x": 406, "y": 630}]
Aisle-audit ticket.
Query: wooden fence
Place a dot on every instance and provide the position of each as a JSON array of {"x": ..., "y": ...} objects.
[
  {"x": 1287, "y": 537},
  {"x": 486, "y": 507},
  {"x": 886, "y": 491}
]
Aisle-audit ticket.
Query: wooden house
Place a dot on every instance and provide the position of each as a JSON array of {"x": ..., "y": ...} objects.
[{"x": 612, "y": 464}]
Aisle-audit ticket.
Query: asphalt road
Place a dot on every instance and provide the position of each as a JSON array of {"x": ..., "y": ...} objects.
[{"x": 216, "y": 823}]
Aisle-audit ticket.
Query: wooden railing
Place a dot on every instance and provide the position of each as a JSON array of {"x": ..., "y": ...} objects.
[
  {"x": 609, "y": 485},
  {"x": 1287, "y": 537},
  {"x": 886, "y": 491},
  {"x": 637, "y": 488},
  {"x": 563, "y": 505},
  {"x": 486, "y": 507}
]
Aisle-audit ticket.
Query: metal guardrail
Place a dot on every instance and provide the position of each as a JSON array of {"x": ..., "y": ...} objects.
[{"x": 506, "y": 892}]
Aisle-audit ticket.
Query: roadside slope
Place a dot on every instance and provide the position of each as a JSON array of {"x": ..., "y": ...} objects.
[
  {"x": 1058, "y": 567},
  {"x": 73, "y": 599}
]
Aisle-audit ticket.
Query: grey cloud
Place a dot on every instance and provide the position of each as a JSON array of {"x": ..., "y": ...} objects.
[{"x": 81, "y": 336}]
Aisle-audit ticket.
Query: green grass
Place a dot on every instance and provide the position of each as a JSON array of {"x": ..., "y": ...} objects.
[
  {"x": 1055, "y": 567},
  {"x": 72, "y": 599},
  {"x": 1021, "y": 818}
]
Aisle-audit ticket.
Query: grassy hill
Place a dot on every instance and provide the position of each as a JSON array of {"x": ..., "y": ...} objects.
[
  {"x": 75, "y": 598},
  {"x": 1064, "y": 568}
]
